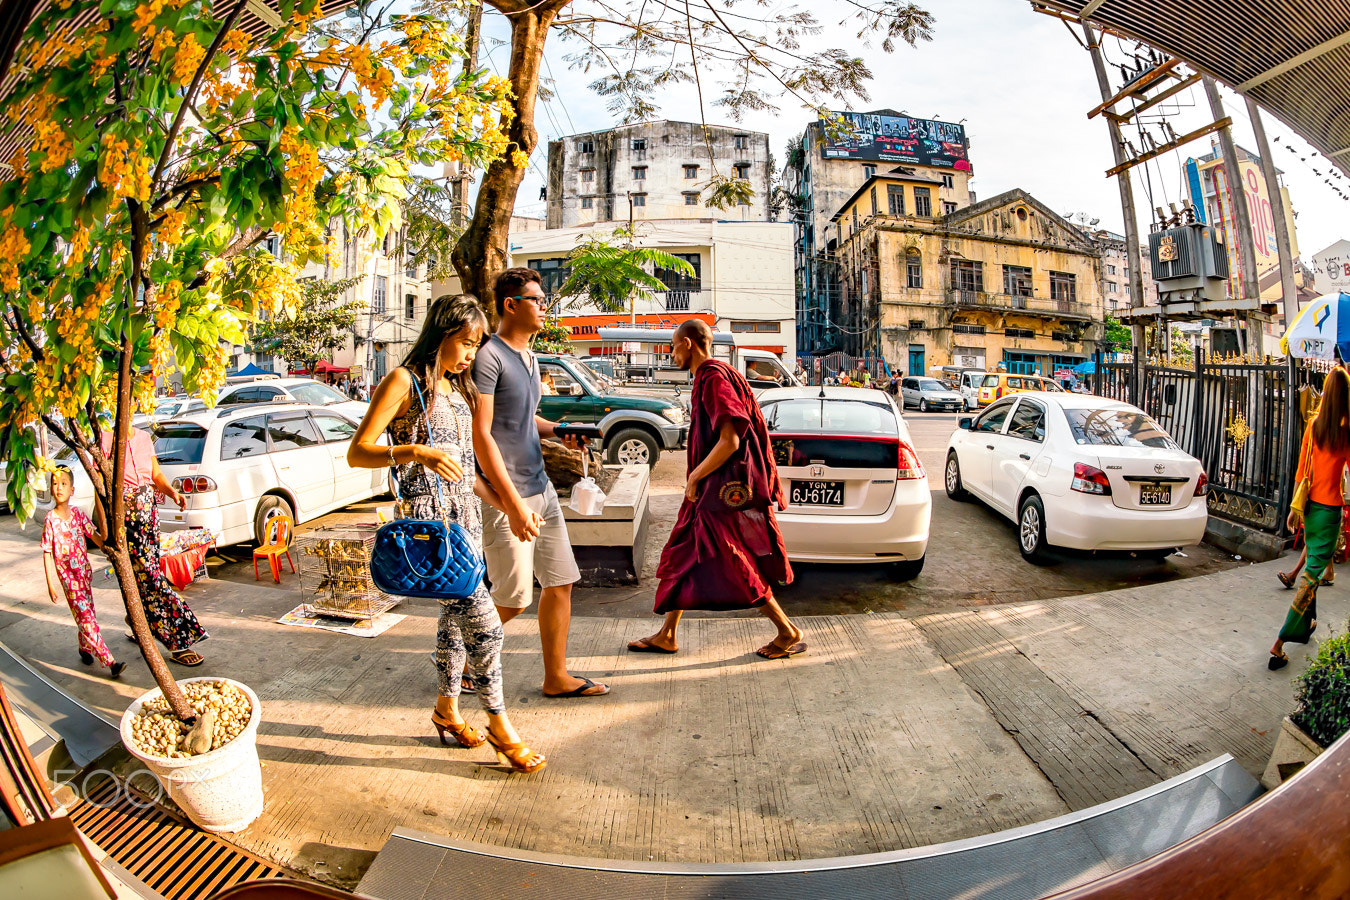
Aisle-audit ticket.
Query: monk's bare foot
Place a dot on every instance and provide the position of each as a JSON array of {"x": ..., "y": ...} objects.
[{"x": 654, "y": 644}]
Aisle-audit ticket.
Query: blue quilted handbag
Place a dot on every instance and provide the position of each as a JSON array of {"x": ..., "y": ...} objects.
[{"x": 426, "y": 557}]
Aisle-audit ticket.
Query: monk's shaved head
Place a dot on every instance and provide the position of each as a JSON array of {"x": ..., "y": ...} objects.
[{"x": 698, "y": 333}]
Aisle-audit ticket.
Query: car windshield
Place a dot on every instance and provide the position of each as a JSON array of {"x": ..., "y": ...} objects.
[
  {"x": 179, "y": 443},
  {"x": 607, "y": 385},
  {"x": 830, "y": 416},
  {"x": 167, "y": 408},
  {"x": 990, "y": 381},
  {"x": 1117, "y": 428},
  {"x": 589, "y": 377},
  {"x": 315, "y": 393},
  {"x": 931, "y": 384}
]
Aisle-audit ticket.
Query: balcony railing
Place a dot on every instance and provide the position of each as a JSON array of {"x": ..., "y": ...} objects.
[
  {"x": 679, "y": 301},
  {"x": 1036, "y": 305}
]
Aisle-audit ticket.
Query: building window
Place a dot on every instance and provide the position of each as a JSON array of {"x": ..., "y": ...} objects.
[
  {"x": 742, "y": 142},
  {"x": 1063, "y": 287},
  {"x": 742, "y": 171},
  {"x": 916, "y": 324},
  {"x": 1019, "y": 333},
  {"x": 587, "y": 176},
  {"x": 690, "y": 198},
  {"x": 1110, "y": 270},
  {"x": 409, "y": 306},
  {"x": 639, "y": 144},
  {"x": 410, "y": 269},
  {"x": 587, "y": 146},
  {"x": 553, "y": 273},
  {"x": 967, "y": 329},
  {"x": 639, "y": 173},
  {"x": 873, "y": 193},
  {"x": 1112, "y": 287},
  {"x": 923, "y": 202},
  {"x": 691, "y": 171},
  {"x": 377, "y": 303},
  {"x": 913, "y": 269},
  {"x": 678, "y": 281},
  {"x": 948, "y": 207},
  {"x": 384, "y": 244},
  {"x": 587, "y": 202},
  {"x": 639, "y": 199},
  {"x": 1062, "y": 336},
  {"x": 948, "y": 181},
  {"x": 895, "y": 199},
  {"x": 1017, "y": 281},
  {"x": 967, "y": 275},
  {"x": 869, "y": 171},
  {"x": 756, "y": 327}
]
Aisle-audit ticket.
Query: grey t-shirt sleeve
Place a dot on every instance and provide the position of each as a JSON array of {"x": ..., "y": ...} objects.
[{"x": 487, "y": 370}]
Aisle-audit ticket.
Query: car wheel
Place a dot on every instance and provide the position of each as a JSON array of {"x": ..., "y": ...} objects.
[
  {"x": 1031, "y": 531},
  {"x": 269, "y": 508},
  {"x": 632, "y": 446},
  {"x": 923, "y": 406},
  {"x": 907, "y": 570},
  {"x": 952, "y": 478}
]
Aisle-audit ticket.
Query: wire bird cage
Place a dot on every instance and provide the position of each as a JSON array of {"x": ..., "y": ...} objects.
[{"x": 335, "y": 573}]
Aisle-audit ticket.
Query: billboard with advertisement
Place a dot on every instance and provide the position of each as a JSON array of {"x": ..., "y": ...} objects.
[{"x": 898, "y": 139}]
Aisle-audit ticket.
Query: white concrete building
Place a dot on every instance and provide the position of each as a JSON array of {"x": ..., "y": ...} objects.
[
  {"x": 742, "y": 280},
  {"x": 1331, "y": 268},
  {"x": 662, "y": 167},
  {"x": 1116, "y": 273}
]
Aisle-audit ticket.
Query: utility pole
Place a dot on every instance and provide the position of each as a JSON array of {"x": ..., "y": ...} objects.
[
  {"x": 1132, "y": 251},
  {"x": 632, "y": 298},
  {"x": 1250, "y": 281},
  {"x": 1277, "y": 212},
  {"x": 459, "y": 184}
]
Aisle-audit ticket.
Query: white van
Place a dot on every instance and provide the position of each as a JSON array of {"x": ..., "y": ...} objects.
[{"x": 969, "y": 388}]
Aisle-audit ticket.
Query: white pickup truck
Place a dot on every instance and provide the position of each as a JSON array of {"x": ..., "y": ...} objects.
[{"x": 640, "y": 355}]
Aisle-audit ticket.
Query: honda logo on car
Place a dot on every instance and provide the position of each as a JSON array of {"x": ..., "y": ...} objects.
[{"x": 817, "y": 471}]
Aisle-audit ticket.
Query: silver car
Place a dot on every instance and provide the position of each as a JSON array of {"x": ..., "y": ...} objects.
[{"x": 929, "y": 393}]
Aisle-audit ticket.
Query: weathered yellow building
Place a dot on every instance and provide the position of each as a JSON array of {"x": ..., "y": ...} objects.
[{"x": 1001, "y": 283}]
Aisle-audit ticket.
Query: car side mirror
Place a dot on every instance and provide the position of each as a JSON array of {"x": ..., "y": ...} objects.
[{"x": 965, "y": 423}]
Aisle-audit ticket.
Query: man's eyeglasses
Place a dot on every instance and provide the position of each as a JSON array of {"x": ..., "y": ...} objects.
[{"x": 541, "y": 302}]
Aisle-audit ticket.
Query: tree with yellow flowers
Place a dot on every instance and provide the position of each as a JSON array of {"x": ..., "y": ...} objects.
[{"x": 159, "y": 147}]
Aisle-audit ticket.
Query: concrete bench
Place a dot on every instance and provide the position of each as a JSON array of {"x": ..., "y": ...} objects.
[{"x": 1027, "y": 862}]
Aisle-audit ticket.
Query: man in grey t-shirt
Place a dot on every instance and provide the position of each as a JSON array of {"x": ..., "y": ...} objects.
[{"x": 529, "y": 541}]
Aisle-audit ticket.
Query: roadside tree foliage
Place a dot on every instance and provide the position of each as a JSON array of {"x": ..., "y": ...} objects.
[
  {"x": 312, "y": 329},
  {"x": 159, "y": 146},
  {"x": 739, "y": 56},
  {"x": 612, "y": 272}
]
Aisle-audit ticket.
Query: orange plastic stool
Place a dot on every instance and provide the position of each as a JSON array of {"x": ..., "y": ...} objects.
[{"x": 276, "y": 544}]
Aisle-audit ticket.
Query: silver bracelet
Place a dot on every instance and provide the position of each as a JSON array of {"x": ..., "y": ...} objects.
[{"x": 392, "y": 461}]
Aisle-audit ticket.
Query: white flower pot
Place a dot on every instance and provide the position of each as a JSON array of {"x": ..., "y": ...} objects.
[
  {"x": 220, "y": 790},
  {"x": 1293, "y": 750}
]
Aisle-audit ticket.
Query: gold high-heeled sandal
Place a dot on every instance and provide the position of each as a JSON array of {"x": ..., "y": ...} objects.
[
  {"x": 518, "y": 756},
  {"x": 465, "y": 735}
]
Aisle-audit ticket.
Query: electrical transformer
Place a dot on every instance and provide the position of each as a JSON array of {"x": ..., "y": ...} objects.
[{"x": 1189, "y": 264}]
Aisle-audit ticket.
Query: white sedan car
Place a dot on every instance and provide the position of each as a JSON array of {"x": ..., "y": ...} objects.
[
  {"x": 294, "y": 390},
  {"x": 855, "y": 488},
  {"x": 240, "y": 466},
  {"x": 1079, "y": 471}
]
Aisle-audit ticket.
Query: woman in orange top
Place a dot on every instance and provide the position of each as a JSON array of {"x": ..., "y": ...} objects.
[{"x": 1322, "y": 459}]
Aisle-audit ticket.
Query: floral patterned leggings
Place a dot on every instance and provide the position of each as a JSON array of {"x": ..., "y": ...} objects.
[{"x": 170, "y": 620}]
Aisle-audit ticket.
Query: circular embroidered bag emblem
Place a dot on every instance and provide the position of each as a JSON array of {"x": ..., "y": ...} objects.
[{"x": 735, "y": 494}]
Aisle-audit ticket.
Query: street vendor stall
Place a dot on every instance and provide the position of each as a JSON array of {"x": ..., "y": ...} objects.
[{"x": 182, "y": 555}]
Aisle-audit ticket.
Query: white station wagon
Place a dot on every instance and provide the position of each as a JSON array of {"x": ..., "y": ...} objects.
[{"x": 1078, "y": 471}]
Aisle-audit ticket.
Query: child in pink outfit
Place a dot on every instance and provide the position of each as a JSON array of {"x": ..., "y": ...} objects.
[{"x": 66, "y": 564}]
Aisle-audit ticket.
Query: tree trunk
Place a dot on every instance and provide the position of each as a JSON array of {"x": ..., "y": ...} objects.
[{"x": 480, "y": 254}]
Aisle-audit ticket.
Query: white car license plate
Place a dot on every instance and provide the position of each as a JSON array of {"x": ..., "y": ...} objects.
[
  {"x": 1155, "y": 494},
  {"x": 816, "y": 493}
]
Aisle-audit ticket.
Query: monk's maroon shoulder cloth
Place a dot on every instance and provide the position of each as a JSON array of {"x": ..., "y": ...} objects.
[{"x": 719, "y": 557}]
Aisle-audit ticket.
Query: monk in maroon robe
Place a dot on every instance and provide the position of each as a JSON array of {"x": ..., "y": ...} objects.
[{"x": 725, "y": 550}]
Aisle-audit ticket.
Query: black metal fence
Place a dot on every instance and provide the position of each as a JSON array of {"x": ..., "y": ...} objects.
[{"x": 1239, "y": 418}]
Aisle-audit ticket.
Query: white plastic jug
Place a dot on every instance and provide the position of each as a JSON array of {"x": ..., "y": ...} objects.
[{"x": 587, "y": 498}]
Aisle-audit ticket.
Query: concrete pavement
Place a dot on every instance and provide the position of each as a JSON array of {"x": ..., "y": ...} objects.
[{"x": 891, "y": 732}]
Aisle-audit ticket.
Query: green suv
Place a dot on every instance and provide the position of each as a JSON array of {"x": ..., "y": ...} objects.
[{"x": 637, "y": 424}]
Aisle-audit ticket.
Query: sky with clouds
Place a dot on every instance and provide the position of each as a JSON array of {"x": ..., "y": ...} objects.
[{"x": 1023, "y": 84}]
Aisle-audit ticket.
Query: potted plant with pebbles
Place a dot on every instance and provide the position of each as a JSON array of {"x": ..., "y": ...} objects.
[{"x": 1322, "y": 714}]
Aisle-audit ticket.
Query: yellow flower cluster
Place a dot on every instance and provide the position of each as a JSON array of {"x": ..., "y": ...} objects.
[
  {"x": 79, "y": 246},
  {"x": 372, "y": 75},
  {"x": 123, "y": 169},
  {"x": 169, "y": 299},
  {"x": 235, "y": 43},
  {"x": 164, "y": 42},
  {"x": 424, "y": 37},
  {"x": 187, "y": 59},
  {"x": 171, "y": 229},
  {"x": 277, "y": 288},
  {"x": 301, "y": 230},
  {"x": 520, "y": 159},
  {"x": 303, "y": 20},
  {"x": 145, "y": 14},
  {"x": 14, "y": 247}
]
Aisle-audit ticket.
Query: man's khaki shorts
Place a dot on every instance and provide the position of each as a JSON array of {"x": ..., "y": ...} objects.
[{"x": 514, "y": 565}]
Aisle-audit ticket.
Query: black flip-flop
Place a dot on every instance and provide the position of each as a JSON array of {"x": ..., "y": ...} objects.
[
  {"x": 1275, "y": 663},
  {"x": 586, "y": 684},
  {"x": 642, "y": 645}
]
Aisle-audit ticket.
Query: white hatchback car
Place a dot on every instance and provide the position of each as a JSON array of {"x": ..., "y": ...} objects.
[
  {"x": 855, "y": 488},
  {"x": 240, "y": 466},
  {"x": 1081, "y": 472},
  {"x": 294, "y": 390}
]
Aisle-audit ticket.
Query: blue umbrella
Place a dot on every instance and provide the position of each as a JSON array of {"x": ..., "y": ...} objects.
[{"x": 1319, "y": 329}]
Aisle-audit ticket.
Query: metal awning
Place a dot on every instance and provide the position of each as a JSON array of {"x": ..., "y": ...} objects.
[{"x": 1290, "y": 56}]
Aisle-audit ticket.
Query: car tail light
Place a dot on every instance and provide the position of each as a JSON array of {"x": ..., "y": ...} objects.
[
  {"x": 1089, "y": 480},
  {"x": 190, "y": 485},
  {"x": 1202, "y": 484},
  {"x": 998, "y": 392},
  {"x": 909, "y": 466}
]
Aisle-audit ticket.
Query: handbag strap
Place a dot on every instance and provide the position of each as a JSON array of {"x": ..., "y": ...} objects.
[{"x": 431, "y": 442}]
